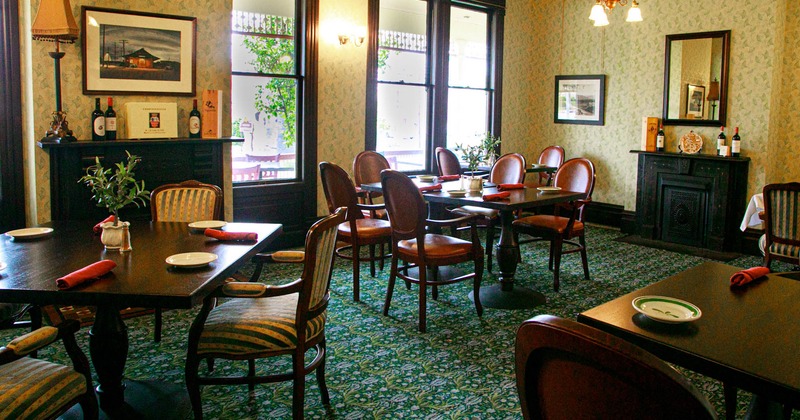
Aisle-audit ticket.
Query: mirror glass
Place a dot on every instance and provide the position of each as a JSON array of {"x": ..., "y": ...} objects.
[{"x": 696, "y": 78}]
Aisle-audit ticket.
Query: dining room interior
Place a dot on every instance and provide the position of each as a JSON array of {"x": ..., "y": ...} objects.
[{"x": 300, "y": 82}]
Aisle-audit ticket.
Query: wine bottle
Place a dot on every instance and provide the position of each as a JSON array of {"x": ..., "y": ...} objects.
[
  {"x": 736, "y": 143},
  {"x": 194, "y": 122},
  {"x": 98, "y": 122},
  {"x": 721, "y": 140},
  {"x": 111, "y": 121},
  {"x": 660, "y": 139}
]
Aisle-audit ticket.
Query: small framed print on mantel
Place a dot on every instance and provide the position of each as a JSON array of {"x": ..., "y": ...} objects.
[
  {"x": 138, "y": 53},
  {"x": 580, "y": 99}
]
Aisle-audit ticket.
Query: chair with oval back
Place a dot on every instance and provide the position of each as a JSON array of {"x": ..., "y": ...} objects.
[
  {"x": 367, "y": 167},
  {"x": 188, "y": 201},
  {"x": 447, "y": 162},
  {"x": 552, "y": 156}
]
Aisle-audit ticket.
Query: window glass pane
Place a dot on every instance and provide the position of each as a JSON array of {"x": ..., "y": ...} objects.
[
  {"x": 468, "y": 51},
  {"x": 467, "y": 112},
  {"x": 402, "y": 124},
  {"x": 263, "y": 111},
  {"x": 262, "y": 54},
  {"x": 402, "y": 41}
]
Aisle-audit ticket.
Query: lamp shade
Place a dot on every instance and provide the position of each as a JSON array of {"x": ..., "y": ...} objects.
[
  {"x": 55, "y": 22},
  {"x": 634, "y": 14},
  {"x": 713, "y": 91}
]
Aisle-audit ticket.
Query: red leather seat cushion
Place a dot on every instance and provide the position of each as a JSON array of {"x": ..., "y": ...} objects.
[
  {"x": 548, "y": 224},
  {"x": 436, "y": 246},
  {"x": 367, "y": 228}
]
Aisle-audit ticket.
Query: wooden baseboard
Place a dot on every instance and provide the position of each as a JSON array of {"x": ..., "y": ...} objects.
[{"x": 610, "y": 215}]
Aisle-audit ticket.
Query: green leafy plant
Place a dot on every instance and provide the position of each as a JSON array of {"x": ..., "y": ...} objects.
[
  {"x": 473, "y": 155},
  {"x": 118, "y": 189},
  {"x": 490, "y": 144}
]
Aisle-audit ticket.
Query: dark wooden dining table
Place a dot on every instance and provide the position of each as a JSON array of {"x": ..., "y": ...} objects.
[
  {"x": 747, "y": 337},
  {"x": 506, "y": 294},
  {"x": 142, "y": 278}
]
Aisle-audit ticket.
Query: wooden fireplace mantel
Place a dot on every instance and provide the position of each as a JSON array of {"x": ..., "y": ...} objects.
[
  {"x": 696, "y": 200},
  {"x": 163, "y": 161}
]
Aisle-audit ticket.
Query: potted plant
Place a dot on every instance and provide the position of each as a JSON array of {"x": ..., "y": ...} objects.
[
  {"x": 473, "y": 155},
  {"x": 490, "y": 144},
  {"x": 115, "y": 191}
]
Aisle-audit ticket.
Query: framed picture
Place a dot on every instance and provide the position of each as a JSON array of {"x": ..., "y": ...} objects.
[
  {"x": 138, "y": 53},
  {"x": 580, "y": 99},
  {"x": 695, "y": 98}
]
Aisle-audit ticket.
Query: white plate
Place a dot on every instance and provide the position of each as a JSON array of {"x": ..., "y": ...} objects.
[
  {"x": 29, "y": 233},
  {"x": 457, "y": 193},
  {"x": 667, "y": 309},
  {"x": 208, "y": 224},
  {"x": 548, "y": 189},
  {"x": 536, "y": 165},
  {"x": 426, "y": 178},
  {"x": 3, "y": 266},
  {"x": 191, "y": 259}
]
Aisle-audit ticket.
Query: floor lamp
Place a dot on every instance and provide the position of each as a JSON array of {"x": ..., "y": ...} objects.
[
  {"x": 54, "y": 23},
  {"x": 713, "y": 97}
]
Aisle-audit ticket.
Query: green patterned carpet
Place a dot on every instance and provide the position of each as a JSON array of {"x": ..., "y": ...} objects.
[{"x": 381, "y": 367}]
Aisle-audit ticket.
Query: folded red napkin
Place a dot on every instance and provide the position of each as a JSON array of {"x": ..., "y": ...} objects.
[
  {"x": 449, "y": 177},
  {"x": 740, "y": 278},
  {"x": 90, "y": 272},
  {"x": 434, "y": 187},
  {"x": 231, "y": 236},
  {"x": 503, "y": 187},
  {"x": 497, "y": 196},
  {"x": 98, "y": 228}
]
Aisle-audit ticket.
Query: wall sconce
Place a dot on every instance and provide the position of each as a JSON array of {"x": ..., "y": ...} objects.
[{"x": 356, "y": 38}]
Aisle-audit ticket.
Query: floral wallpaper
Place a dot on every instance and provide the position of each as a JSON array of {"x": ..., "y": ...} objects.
[{"x": 213, "y": 72}]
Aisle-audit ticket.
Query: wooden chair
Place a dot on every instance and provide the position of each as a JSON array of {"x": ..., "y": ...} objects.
[
  {"x": 447, "y": 162},
  {"x": 550, "y": 156},
  {"x": 574, "y": 175},
  {"x": 367, "y": 167},
  {"x": 37, "y": 389},
  {"x": 357, "y": 230},
  {"x": 249, "y": 172},
  {"x": 413, "y": 245},
  {"x": 782, "y": 223},
  {"x": 188, "y": 201},
  {"x": 508, "y": 169},
  {"x": 269, "y": 321},
  {"x": 567, "y": 370}
]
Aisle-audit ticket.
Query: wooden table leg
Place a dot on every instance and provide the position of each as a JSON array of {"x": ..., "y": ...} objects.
[
  {"x": 729, "y": 391},
  {"x": 108, "y": 347}
]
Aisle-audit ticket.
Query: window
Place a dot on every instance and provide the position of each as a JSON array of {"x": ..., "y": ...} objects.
[
  {"x": 436, "y": 77},
  {"x": 265, "y": 90}
]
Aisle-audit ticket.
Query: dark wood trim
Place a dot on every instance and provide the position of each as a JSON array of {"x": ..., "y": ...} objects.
[
  {"x": 497, "y": 37},
  {"x": 12, "y": 180},
  {"x": 310, "y": 119},
  {"x": 500, "y": 4},
  {"x": 371, "y": 113},
  {"x": 604, "y": 213},
  {"x": 438, "y": 78}
]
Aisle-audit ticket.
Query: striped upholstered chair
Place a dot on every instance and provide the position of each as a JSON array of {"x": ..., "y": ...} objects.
[
  {"x": 782, "y": 223},
  {"x": 189, "y": 201},
  {"x": 261, "y": 321},
  {"x": 36, "y": 389}
]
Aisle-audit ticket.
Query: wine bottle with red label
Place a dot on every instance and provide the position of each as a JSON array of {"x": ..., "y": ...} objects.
[{"x": 736, "y": 143}]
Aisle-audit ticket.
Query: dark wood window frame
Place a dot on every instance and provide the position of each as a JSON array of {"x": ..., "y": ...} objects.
[{"x": 438, "y": 27}]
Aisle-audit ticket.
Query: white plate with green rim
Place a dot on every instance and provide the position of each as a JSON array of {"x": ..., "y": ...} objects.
[{"x": 667, "y": 309}]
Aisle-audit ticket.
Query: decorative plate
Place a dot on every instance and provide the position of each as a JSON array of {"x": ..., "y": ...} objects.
[
  {"x": 546, "y": 190},
  {"x": 425, "y": 178},
  {"x": 667, "y": 309},
  {"x": 29, "y": 233},
  {"x": 208, "y": 224},
  {"x": 191, "y": 259},
  {"x": 691, "y": 143}
]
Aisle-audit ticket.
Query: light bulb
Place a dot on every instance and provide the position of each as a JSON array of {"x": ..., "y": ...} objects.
[{"x": 601, "y": 20}]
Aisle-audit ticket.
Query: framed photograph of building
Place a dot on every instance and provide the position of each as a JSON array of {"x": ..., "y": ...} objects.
[
  {"x": 580, "y": 99},
  {"x": 138, "y": 53},
  {"x": 695, "y": 97}
]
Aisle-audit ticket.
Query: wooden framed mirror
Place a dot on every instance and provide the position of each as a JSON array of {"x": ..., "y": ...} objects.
[{"x": 696, "y": 78}]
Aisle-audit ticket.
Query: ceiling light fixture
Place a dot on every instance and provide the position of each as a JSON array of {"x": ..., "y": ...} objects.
[{"x": 600, "y": 18}]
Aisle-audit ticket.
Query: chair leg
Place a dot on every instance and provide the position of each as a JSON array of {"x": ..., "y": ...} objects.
[
  {"x": 88, "y": 404},
  {"x": 372, "y": 260},
  {"x": 251, "y": 373},
  {"x": 423, "y": 301},
  {"x": 390, "y": 287},
  {"x": 356, "y": 267},
  {"x": 323, "y": 387},
  {"x": 435, "y": 288},
  {"x": 193, "y": 386},
  {"x": 476, "y": 284},
  {"x": 210, "y": 364},
  {"x": 383, "y": 257},
  {"x": 552, "y": 252},
  {"x": 584, "y": 258},
  {"x": 298, "y": 390},
  {"x": 556, "y": 245},
  {"x": 157, "y": 326},
  {"x": 489, "y": 247}
]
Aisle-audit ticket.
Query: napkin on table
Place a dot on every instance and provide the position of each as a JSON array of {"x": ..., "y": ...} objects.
[
  {"x": 740, "y": 278},
  {"x": 98, "y": 228},
  {"x": 90, "y": 272},
  {"x": 503, "y": 187},
  {"x": 497, "y": 196},
  {"x": 231, "y": 236},
  {"x": 434, "y": 187},
  {"x": 449, "y": 177}
]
